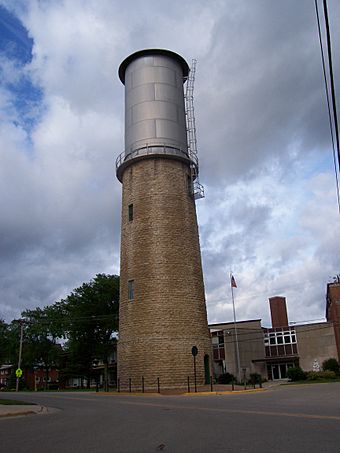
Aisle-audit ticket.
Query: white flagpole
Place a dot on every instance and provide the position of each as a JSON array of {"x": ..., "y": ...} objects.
[{"x": 236, "y": 337}]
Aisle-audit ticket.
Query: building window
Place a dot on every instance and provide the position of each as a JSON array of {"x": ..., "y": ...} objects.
[
  {"x": 130, "y": 212},
  {"x": 215, "y": 340},
  {"x": 280, "y": 337},
  {"x": 131, "y": 289}
]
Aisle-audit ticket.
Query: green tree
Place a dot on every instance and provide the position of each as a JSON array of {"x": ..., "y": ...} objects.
[
  {"x": 11, "y": 348},
  {"x": 88, "y": 320},
  {"x": 12, "y": 342},
  {"x": 40, "y": 345},
  {"x": 3, "y": 342}
]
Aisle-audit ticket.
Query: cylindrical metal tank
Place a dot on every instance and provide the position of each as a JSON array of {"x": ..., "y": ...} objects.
[
  {"x": 162, "y": 301},
  {"x": 154, "y": 106},
  {"x": 154, "y": 101}
]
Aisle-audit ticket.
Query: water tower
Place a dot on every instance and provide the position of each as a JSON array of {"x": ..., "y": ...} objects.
[{"x": 162, "y": 301}]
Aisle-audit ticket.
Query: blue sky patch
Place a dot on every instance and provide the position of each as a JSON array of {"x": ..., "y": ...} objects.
[
  {"x": 16, "y": 46},
  {"x": 14, "y": 40}
]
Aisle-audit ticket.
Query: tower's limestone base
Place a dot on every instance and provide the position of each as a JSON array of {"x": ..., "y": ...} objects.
[
  {"x": 164, "y": 361},
  {"x": 160, "y": 253}
]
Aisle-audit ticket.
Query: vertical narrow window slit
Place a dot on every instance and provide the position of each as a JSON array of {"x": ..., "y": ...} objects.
[
  {"x": 131, "y": 289},
  {"x": 130, "y": 212}
]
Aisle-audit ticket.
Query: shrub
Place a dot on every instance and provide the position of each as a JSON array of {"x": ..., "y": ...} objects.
[
  {"x": 318, "y": 375},
  {"x": 255, "y": 378},
  {"x": 331, "y": 365},
  {"x": 327, "y": 374},
  {"x": 296, "y": 374},
  {"x": 226, "y": 378},
  {"x": 313, "y": 375}
]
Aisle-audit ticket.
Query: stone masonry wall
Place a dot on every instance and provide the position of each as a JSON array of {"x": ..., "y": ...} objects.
[{"x": 160, "y": 251}]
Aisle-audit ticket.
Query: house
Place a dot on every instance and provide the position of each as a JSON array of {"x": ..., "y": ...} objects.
[
  {"x": 36, "y": 378},
  {"x": 5, "y": 375},
  {"x": 97, "y": 374}
]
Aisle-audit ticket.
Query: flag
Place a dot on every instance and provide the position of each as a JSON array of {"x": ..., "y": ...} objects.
[{"x": 232, "y": 282}]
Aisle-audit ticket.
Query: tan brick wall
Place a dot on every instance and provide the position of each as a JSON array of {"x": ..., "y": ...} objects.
[
  {"x": 334, "y": 312},
  {"x": 315, "y": 342},
  {"x": 160, "y": 251},
  {"x": 250, "y": 344}
]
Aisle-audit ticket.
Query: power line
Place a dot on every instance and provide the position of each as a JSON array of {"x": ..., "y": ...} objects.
[
  {"x": 327, "y": 93},
  {"x": 329, "y": 48},
  {"x": 242, "y": 330},
  {"x": 307, "y": 328}
]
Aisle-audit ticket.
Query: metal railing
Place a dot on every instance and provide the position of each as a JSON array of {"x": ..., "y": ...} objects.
[
  {"x": 146, "y": 150},
  {"x": 189, "y": 385}
]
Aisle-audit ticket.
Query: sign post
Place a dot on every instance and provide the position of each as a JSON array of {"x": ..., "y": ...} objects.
[
  {"x": 194, "y": 352},
  {"x": 18, "y": 372}
]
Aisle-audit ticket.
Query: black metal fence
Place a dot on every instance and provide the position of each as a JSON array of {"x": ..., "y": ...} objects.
[{"x": 139, "y": 386}]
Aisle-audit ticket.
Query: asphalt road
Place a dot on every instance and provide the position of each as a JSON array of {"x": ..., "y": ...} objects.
[{"x": 285, "y": 419}]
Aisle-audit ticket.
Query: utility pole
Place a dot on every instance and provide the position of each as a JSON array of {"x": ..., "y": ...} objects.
[{"x": 20, "y": 352}]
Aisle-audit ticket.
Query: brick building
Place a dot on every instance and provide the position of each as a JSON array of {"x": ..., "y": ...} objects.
[
  {"x": 272, "y": 351},
  {"x": 39, "y": 379},
  {"x": 333, "y": 309},
  {"x": 6, "y": 372},
  {"x": 251, "y": 347}
]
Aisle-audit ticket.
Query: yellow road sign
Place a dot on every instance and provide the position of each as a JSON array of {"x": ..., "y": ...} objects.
[{"x": 18, "y": 372}]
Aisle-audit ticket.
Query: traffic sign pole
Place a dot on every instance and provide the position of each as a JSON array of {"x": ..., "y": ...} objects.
[
  {"x": 194, "y": 352},
  {"x": 20, "y": 352}
]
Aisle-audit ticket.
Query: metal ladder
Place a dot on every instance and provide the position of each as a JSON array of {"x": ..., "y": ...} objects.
[{"x": 196, "y": 189}]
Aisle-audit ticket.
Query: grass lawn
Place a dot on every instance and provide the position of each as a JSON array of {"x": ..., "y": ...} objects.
[
  {"x": 314, "y": 381},
  {"x": 14, "y": 402}
]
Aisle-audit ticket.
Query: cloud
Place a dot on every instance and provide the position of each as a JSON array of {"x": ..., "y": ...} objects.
[
  {"x": 286, "y": 247},
  {"x": 263, "y": 145},
  {"x": 265, "y": 94}
]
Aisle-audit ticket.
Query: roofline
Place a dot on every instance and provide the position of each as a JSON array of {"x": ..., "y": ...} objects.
[
  {"x": 141, "y": 53},
  {"x": 232, "y": 322},
  {"x": 292, "y": 326}
]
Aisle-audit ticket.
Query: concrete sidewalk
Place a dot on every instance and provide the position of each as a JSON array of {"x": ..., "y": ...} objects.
[{"x": 21, "y": 410}]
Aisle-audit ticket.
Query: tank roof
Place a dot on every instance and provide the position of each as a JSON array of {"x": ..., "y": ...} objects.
[{"x": 146, "y": 52}]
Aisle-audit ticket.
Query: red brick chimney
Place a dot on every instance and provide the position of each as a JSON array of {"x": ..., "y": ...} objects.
[{"x": 278, "y": 310}]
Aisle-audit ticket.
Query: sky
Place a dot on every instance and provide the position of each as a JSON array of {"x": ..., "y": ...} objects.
[{"x": 270, "y": 214}]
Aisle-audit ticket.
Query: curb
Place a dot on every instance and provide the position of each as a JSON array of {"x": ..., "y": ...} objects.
[
  {"x": 129, "y": 394},
  {"x": 146, "y": 394},
  {"x": 224, "y": 392},
  {"x": 16, "y": 412}
]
